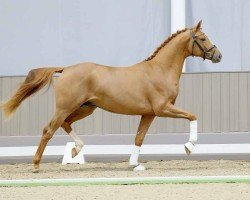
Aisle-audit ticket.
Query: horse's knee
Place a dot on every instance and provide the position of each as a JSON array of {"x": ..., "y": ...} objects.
[{"x": 192, "y": 117}]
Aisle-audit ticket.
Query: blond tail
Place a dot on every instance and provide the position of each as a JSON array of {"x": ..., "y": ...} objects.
[{"x": 36, "y": 80}]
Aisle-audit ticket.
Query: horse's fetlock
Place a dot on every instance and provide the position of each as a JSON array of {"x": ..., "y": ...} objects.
[{"x": 36, "y": 161}]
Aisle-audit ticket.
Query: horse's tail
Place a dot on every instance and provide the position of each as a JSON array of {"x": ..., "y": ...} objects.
[{"x": 36, "y": 80}]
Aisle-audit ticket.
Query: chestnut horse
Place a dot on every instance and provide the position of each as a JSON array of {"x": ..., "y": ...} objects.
[{"x": 148, "y": 88}]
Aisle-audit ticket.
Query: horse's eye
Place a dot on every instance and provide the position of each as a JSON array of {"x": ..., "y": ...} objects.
[{"x": 203, "y": 39}]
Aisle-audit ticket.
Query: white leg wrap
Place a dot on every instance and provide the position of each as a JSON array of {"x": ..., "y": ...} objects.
[
  {"x": 77, "y": 140},
  {"x": 133, "y": 161},
  {"x": 193, "y": 131},
  {"x": 189, "y": 146},
  {"x": 134, "y": 156}
]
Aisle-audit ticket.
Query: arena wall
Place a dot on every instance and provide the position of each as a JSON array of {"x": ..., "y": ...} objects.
[{"x": 221, "y": 102}]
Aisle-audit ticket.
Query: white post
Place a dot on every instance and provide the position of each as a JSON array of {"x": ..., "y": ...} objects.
[{"x": 178, "y": 18}]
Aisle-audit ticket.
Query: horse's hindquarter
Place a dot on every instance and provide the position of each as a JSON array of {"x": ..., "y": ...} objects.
[{"x": 74, "y": 85}]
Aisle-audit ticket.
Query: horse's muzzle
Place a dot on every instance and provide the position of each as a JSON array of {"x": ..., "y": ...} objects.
[{"x": 217, "y": 56}]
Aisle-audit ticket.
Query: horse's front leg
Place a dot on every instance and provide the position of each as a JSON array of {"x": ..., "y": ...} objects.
[
  {"x": 141, "y": 132},
  {"x": 171, "y": 111}
]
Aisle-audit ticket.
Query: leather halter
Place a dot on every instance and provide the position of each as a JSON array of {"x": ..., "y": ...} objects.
[{"x": 207, "y": 54}]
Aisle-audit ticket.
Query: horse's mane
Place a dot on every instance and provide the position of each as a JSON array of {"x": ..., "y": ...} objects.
[{"x": 164, "y": 43}]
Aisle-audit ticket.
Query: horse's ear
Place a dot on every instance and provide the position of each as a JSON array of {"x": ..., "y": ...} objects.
[{"x": 198, "y": 26}]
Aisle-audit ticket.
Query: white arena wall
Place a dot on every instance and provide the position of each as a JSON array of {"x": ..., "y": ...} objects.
[{"x": 219, "y": 100}]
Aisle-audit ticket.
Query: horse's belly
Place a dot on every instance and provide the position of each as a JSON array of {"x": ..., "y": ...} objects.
[{"x": 126, "y": 107}]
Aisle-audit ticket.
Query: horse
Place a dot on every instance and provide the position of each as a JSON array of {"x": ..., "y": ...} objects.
[{"x": 148, "y": 88}]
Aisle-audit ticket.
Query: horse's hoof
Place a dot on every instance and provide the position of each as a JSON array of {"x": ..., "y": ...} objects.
[
  {"x": 139, "y": 168},
  {"x": 189, "y": 147},
  {"x": 74, "y": 152},
  {"x": 36, "y": 169}
]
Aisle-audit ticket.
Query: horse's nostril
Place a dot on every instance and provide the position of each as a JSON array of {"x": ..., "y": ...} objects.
[{"x": 220, "y": 56}]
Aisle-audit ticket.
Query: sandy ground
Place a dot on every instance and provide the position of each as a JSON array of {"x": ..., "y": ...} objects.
[
  {"x": 114, "y": 169},
  {"x": 132, "y": 192},
  {"x": 129, "y": 192}
]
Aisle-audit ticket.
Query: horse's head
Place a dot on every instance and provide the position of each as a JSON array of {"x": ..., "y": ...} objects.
[{"x": 201, "y": 46}]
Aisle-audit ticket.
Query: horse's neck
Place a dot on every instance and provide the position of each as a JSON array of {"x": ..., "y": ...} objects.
[{"x": 171, "y": 57}]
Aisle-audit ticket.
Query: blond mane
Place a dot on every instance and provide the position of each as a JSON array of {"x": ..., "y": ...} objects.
[{"x": 164, "y": 43}]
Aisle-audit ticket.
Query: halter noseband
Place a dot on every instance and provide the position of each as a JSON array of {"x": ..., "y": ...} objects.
[{"x": 203, "y": 49}]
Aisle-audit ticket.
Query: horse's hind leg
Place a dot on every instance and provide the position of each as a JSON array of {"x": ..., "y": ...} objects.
[
  {"x": 48, "y": 133},
  {"x": 78, "y": 114}
]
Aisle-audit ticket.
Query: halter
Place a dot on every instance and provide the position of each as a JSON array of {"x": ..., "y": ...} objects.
[{"x": 203, "y": 49}]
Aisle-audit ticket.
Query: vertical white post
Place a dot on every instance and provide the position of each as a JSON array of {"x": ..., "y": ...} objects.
[{"x": 178, "y": 18}]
